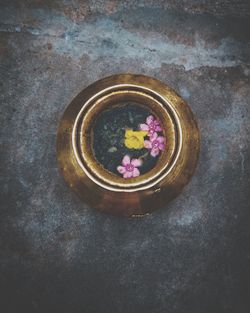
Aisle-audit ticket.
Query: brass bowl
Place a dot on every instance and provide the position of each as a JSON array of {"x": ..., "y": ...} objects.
[{"x": 106, "y": 191}]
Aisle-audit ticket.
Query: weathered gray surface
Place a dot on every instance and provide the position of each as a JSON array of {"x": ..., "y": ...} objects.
[{"x": 57, "y": 255}]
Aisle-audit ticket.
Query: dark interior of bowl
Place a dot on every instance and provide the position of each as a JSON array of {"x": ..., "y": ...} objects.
[{"x": 113, "y": 127}]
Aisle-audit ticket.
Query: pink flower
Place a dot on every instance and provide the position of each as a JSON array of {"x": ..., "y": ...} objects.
[
  {"x": 129, "y": 167},
  {"x": 155, "y": 144},
  {"x": 152, "y": 126}
]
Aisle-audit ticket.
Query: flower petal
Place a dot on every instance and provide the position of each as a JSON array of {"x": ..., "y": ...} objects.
[
  {"x": 150, "y": 119},
  {"x": 158, "y": 128},
  {"x": 128, "y": 133},
  {"x": 144, "y": 127},
  {"x": 127, "y": 174},
  {"x": 153, "y": 137},
  {"x": 121, "y": 169},
  {"x": 154, "y": 152},
  {"x": 135, "y": 139},
  {"x": 135, "y": 172},
  {"x": 162, "y": 146},
  {"x": 156, "y": 122},
  {"x": 136, "y": 162},
  {"x": 133, "y": 143},
  {"x": 161, "y": 139},
  {"x": 126, "y": 160},
  {"x": 147, "y": 144}
]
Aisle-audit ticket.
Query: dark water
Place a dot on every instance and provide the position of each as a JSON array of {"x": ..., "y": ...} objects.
[{"x": 109, "y": 133}]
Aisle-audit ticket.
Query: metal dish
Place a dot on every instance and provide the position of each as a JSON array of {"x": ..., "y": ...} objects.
[{"x": 104, "y": 190}]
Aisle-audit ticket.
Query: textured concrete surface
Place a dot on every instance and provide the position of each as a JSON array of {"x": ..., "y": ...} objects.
[{"x": 56, "y": 254}]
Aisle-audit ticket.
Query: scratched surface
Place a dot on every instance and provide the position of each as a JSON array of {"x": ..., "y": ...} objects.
[{"x": 58, "y": 255}]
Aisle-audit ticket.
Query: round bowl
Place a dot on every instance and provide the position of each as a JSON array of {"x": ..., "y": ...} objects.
[{"x": 104, "y": 189}]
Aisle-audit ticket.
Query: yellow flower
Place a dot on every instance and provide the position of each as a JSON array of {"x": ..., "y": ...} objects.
[{"x": 135, "y": 139}]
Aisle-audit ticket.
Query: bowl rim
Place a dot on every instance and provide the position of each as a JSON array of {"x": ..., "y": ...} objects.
[
  {"x": 86, "y": 159},
  {"x": 129, "y": 201}
]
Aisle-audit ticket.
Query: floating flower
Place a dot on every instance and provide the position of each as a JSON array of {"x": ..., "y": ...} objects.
[
  {"x": 129, "y": 167},
  {"x": 134, "y": 139},
  {"x": 152, "y": 126},
  {"x": 155, "y": 144}
]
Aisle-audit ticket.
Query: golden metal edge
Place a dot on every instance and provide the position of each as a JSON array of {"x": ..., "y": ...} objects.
[
  {"x": 139, "y": 202},
  {"x": 104, "y": 178}
]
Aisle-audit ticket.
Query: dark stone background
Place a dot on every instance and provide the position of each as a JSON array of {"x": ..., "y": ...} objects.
[{"x": 58, "y": 255}]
